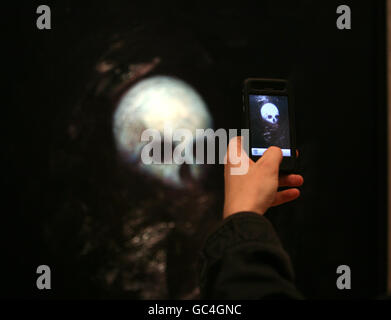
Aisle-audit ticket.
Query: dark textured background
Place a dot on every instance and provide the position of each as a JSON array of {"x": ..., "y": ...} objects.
[{"x": 338, "y": 78}]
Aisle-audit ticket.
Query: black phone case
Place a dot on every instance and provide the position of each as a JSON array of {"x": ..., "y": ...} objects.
[{"x": 265, "y": 86}]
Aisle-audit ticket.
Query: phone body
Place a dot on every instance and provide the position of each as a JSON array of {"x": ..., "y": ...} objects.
[{"x": 269, "y": 116}]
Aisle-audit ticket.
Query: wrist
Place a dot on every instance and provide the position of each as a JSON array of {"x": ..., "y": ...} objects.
[{"x": 231, "y": 210}]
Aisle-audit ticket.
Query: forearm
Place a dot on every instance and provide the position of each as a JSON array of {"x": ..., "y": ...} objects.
[{"x": 244, "y": 259}]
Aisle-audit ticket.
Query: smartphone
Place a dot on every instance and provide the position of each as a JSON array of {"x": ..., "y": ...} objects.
[{"x": 268, "y": 114}]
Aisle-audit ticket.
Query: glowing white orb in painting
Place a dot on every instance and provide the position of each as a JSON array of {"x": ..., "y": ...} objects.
[
  {"x": 270, "y": 113},
  {"x": 155, "y": 103}
]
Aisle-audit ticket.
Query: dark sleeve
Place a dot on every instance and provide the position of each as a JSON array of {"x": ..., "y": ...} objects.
[{"x": 244, "y": 259}]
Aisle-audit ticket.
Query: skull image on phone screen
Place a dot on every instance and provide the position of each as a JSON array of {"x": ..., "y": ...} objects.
[{"x": 269, "y": 123}]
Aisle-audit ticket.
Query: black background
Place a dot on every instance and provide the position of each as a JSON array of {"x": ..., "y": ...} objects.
[{"x": 339, "y": 84}]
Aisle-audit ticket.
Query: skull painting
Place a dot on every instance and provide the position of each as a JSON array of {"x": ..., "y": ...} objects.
[
  {"x": 154, "y": 103},
  {"x": 145, "y": 221},
  {"x": 270, "y": 113}
]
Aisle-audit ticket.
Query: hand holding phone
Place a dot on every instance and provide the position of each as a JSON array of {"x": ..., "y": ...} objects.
[{"x": 257, "y": 190}]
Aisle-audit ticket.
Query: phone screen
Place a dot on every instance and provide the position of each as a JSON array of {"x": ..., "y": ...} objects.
[{"x": 269, "y": 123}]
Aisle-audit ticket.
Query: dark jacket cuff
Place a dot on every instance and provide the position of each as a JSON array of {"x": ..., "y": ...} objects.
[{"x": 238, "y": 228}]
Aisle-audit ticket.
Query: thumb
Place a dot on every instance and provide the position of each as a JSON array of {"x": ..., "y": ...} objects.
[{"x": 271, "y": 159}]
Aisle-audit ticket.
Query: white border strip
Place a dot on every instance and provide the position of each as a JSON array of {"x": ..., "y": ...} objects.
[
  {"x": 388, "y": 33},
  {"x": 260, "y": 151}
]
